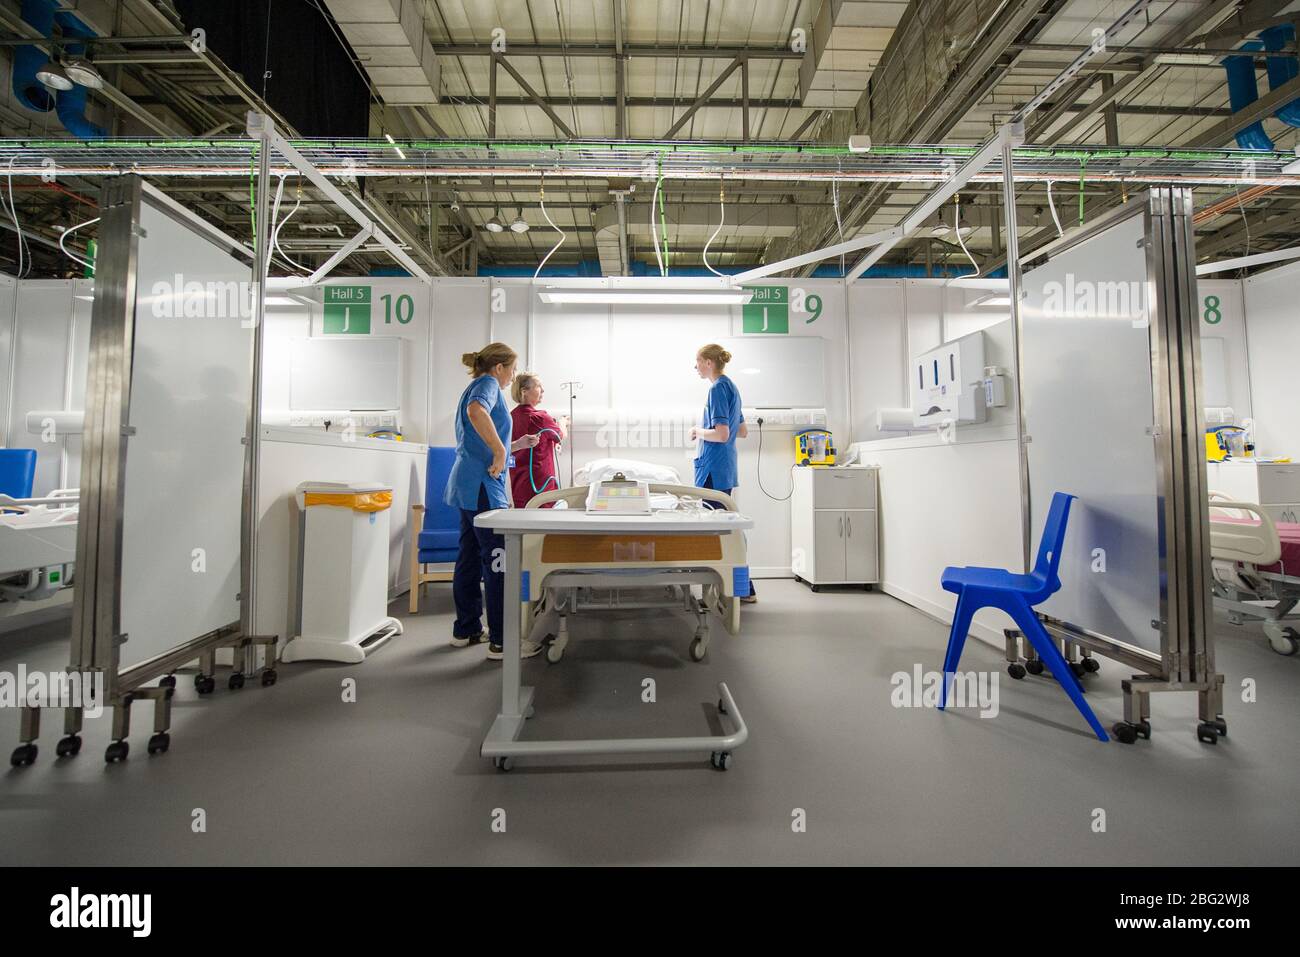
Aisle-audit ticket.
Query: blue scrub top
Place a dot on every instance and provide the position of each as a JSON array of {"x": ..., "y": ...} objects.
[
  {"x": 718, "y": 459},
  {"x": 469, "y": 472}
]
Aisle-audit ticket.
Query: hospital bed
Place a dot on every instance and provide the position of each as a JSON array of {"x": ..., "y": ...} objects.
[
  {"x": 1256, "y": 569},
  {"x": 573, "y": 549},
  {"x": 565, "y": 574},
  {"x": 38, "y": 544}
]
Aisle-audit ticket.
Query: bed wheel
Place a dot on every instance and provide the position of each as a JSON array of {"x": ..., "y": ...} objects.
[
  {"x": 1091, "y": 665},
  {"x": 1207, "y": 733},
  {"x": 1034, "y": 667},
  {"x": 1016, "y": 671},
  {"x": 699, "y": 648}
]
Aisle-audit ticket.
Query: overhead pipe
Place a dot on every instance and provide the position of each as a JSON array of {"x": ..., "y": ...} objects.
[
  {"x": 31, "y": 92},
  {"x": 1243, "y": 90},
  {"x": 1282, "y": 69},
  {"x": 70, "y": 105}
]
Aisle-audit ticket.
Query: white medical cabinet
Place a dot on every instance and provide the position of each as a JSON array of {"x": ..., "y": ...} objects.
[
  {"x": 344, "y": 572},
  {"x": 1274, "y": 486},
  {"x": 833, "y": 526}
]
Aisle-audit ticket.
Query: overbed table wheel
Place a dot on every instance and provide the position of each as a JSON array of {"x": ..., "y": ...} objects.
[
  {"x": 720, "y": 760},
  {"x": 503, "y": 764}
]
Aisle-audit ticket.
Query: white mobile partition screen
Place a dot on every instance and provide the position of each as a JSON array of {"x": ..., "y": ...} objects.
[
  {"x": 163, "y": 462},
  {"x": 1114, "y": 414}
]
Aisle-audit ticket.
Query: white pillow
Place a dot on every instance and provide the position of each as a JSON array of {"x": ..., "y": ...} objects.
[{"x": 599, "y": 470}]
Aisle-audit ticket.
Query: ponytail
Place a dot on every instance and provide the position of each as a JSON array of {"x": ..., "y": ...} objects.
[{"x": 486, "y": 359}]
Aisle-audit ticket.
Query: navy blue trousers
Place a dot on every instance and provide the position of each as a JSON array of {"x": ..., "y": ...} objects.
[{"x": 478, "y": 549}]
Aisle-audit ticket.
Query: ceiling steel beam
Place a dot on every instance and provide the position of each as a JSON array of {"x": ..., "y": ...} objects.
[
  {"x": 533, "y": 95},
  {"x": 687, "y": 52},
  {"x": 704, "y": 97}
]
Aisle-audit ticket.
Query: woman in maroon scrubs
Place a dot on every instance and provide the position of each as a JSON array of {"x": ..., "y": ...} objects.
[{"x": 534, "y": 470}]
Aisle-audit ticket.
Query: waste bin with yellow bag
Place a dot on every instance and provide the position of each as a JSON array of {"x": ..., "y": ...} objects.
[{"x": 344, "y": 609}]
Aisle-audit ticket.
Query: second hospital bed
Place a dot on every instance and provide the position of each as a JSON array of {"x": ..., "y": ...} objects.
[{"x": 1256, "y": 569}]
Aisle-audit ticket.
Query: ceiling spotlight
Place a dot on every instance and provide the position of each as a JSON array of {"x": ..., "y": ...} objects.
[
  {"x": 53, "y": 76},
  {"x": 81, "y": 71},
  {"x": 494, "y": 224},
  {"x": 518, "y": 225}
]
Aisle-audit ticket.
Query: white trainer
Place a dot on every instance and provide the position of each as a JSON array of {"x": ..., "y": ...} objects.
[{"x": 527, "y": 649}]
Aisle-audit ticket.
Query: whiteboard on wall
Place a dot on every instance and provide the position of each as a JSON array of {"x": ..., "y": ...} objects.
[
  {"x": 778, "y": 372},
  {"x": 346, "y": 372}
]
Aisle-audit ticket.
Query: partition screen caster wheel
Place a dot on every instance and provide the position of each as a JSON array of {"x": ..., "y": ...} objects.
[
  {"x": 1091, "y": 665},
  {"x": 268, "y": 677},
  {"x": 236, "y": 681},
  {"x": 159, "y": 743},
  {"x": 117, "y": 751},
  {"x": 503, "y": 764},
  {"x": 720, "y": 760},
  {"x": 1034, "y": 667},
  {"x": 1207, "y": 733},
  {"x": 1016, "y": 671},
  {"x": 1124, "y": 732},
  {"x": 205, "y": 684},
  {"x": 699, "y": 648},
  {"x": 24, "y": 754},
  {"x": 68, "y": 747}
]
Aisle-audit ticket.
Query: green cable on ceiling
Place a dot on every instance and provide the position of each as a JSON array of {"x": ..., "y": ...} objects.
[{"x": 1083, "y": 163}]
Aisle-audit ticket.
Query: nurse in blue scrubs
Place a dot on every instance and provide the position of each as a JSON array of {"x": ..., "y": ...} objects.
[
  {"x": 478, "y": 484},
  {"x": 723, "y": 423}
]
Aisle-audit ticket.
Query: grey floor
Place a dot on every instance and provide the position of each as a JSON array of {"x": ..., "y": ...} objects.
[{"x": 292, "y": 774}]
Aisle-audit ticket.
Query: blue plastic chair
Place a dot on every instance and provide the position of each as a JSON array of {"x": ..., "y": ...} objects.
[
  {"x": 1017, "y": 595},
  {"x": 17, "y": 472},
  {"x": 438, "y": 541}
]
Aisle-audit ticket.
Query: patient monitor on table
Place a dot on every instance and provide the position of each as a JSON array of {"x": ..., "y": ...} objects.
[{"x": 619, "y": 496}]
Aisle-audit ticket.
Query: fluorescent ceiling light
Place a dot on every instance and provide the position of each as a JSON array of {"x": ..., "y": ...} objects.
[
  {"x": 393, "y": 143},
  {"x": 53, "y": 76},
  {"x": 648, "y": 297},
  {"x": 83, "y": 72},
  {"x": 1186, "y": 58},
  {"x": 860, "y": 144}
]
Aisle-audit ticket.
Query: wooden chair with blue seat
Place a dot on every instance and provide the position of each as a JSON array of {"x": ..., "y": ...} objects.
[
  {"x": 1017, "y": 595},
  {"x": 438, "y": 540},
  {"x": 17, "y": 472}
]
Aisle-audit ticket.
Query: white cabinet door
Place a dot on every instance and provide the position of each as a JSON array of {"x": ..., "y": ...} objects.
[
  {"x": 860, "y": 546},
  {"x": 828, "y": 531}
]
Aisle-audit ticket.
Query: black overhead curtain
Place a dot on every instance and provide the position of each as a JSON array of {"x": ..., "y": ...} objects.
[{"x": 313, "y": 84}]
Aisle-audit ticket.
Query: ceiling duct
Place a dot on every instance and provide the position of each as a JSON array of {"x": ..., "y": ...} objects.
[{"x": 389, "y": 40}]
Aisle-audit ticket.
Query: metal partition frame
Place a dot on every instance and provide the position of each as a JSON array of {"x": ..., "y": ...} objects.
[
  {"x": 1185, "y": 661},
  {"x": 97, "y": 608}
]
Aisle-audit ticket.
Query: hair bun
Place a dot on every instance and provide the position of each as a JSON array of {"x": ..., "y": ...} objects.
[
  {"x": 469, "y": 359},
  {"x": 726, "y": 356}
]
